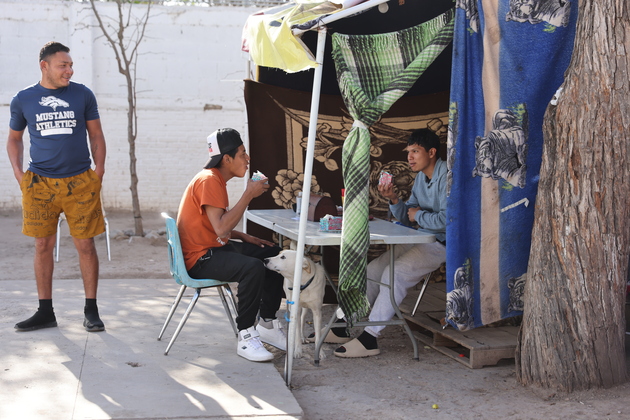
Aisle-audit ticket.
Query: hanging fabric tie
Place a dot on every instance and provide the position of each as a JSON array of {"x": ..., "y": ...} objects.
[{"x": 373, "y": 72}]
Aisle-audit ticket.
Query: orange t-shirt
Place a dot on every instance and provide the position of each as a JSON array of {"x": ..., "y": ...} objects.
[{"x": 207, "y": 188}]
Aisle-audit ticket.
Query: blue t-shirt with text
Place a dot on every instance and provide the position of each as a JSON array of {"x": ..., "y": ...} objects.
[{"x": 56, "y": 121}]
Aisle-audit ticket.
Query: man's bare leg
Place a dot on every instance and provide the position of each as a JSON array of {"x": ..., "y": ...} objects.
[
  {"x": 88, "y": 262},
  {"x": 44, "y": 265}
]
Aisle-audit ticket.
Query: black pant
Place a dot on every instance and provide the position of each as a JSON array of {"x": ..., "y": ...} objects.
[{"x": 258, "y": 288}]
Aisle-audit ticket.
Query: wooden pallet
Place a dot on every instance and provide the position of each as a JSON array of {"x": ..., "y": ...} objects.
[{"x": 476, "y": 348}]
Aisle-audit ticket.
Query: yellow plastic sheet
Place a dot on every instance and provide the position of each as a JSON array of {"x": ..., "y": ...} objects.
[{"x": 271, "y": 42}]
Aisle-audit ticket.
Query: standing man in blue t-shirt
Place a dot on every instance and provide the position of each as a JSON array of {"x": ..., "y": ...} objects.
[{"x": 59, "y": 114}]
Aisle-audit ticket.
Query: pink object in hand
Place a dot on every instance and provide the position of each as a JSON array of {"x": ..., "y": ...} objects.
[{"x": 385, "y": 179}]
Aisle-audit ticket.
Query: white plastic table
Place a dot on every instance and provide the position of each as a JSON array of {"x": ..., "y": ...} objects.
[{"x": 285, "y": 223}]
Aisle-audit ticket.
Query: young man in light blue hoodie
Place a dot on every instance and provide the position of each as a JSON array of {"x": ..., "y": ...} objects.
[{"x": 427, "y": 207}]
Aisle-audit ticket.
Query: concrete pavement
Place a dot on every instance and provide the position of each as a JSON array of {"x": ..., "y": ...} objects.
[{"x": 66, "y": 373}]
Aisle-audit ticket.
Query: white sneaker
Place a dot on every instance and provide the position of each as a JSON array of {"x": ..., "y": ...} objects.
[
  {"x": 250, "y": 347},
  {"x": 272, "y": 332}
]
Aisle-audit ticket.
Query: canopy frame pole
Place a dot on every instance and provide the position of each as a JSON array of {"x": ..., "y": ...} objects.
[
  {"x": 306, "y": 188},
  {"x": 344, "y": 13}
]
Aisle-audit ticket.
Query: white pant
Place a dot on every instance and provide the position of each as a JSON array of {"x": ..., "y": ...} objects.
[{"x": 412, "y": 263}]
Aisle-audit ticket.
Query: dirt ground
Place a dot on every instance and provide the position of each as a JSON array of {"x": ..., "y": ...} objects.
[{"x": 389, "y": 386}]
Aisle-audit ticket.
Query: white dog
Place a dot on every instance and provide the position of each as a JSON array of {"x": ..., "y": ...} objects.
[{"x": 311, "y": 292}]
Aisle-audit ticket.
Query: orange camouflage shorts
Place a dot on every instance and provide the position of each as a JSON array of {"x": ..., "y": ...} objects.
[{"x": 78, "y": 197}]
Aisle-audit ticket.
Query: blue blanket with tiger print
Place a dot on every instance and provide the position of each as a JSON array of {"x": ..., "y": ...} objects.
[{"x": 509, "y": 59}]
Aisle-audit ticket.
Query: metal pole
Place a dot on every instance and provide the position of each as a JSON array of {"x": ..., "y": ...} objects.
[
  {"x": 306, "y": 190},
  {"x": 350, "y": 11}
]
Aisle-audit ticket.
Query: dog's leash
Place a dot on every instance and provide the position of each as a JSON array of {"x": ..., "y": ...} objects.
[{"x": 304, "y": 286}]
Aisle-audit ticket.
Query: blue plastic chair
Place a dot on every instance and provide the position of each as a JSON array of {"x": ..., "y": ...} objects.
[{"x": 179, "y": 273}]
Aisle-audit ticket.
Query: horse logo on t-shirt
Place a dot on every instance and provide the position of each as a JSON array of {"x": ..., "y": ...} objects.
[{"x": 53, "y": 102}]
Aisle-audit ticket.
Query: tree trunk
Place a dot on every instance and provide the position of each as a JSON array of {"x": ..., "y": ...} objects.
[
  {"x": 132, "y": 125},
  {"x": 573, "y": 331}
]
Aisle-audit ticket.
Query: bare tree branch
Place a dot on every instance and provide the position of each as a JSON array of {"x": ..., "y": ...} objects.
[{"x": 124, "y": 36}]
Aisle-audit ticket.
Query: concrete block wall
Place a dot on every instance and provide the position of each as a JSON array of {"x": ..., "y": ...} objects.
[{"x": 190, "y": 75}]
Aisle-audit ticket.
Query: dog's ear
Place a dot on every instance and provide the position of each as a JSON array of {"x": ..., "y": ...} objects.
[{"x": 306, "y": 265}]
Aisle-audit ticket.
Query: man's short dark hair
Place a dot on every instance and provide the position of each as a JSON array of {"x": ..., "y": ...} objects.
[
  {"x": 230, "y": 153},
  {"x": 51, "y": 48},
  {"x": 425, "y": 138}
]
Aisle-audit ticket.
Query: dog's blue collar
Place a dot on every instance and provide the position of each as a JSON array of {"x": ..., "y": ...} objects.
[{"x": 304, "y": 286}]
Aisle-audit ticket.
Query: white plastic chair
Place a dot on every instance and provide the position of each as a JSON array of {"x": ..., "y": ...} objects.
[{"x": 62, "y": 217}]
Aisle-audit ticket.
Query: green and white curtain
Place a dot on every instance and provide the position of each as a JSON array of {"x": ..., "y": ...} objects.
[{"x": 373, "y": 72}]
